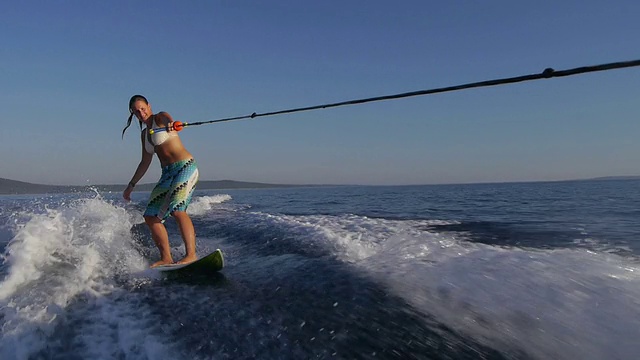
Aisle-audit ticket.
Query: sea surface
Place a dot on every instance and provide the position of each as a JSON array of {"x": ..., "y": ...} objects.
[{"x": 547, "y": 270}]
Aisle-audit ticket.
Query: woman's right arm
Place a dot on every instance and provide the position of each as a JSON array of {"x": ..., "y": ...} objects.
[{"x": 142, "y": 168}]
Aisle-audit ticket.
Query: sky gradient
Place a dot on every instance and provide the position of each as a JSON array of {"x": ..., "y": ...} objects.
[{"x": 69, "y": 67}]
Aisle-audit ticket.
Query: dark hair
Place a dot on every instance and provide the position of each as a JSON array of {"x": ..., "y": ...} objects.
[{"x": 133, "y": 99}]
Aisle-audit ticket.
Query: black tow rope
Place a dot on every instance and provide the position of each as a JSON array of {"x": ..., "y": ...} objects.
[{"x": 546, "y": 74}]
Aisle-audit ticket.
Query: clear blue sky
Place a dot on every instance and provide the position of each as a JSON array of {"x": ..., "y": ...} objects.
[{"x": 68, "y": 69}]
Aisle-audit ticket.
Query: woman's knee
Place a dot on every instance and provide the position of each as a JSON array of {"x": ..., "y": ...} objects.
[
  {"x": 179, "y": 214},
  {"x": 151, "y": 220}
]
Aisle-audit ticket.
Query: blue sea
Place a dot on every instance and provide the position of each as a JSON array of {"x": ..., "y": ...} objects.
[{"x": 546, "y": 270}]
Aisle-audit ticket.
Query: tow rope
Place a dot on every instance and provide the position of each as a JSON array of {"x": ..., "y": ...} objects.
[{"x": 546, "y": 74}]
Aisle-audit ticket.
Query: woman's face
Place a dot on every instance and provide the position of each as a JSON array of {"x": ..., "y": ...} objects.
[{"x": 141, "y": 110}]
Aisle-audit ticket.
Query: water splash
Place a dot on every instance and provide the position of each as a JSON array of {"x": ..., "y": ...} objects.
[{"x": 67, "y": 256}]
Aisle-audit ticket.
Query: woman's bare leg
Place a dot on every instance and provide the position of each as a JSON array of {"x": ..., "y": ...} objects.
[
  {"x": 188, "y": 236},
  {"x": 161, "y": 238}
]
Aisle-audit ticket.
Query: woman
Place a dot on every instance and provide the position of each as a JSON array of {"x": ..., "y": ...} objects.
[{"x": 173, "y": 192}]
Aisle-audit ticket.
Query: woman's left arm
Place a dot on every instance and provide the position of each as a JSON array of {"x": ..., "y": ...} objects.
[{"x": 165, "y": 120}]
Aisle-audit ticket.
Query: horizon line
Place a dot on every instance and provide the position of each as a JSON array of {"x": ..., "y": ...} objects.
[{"x": 610, "y": 177}]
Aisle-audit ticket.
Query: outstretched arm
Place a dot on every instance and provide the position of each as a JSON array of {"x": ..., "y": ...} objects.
[
  {"x": 164, "y": 119},
  {"x": 142, "y": 168}
]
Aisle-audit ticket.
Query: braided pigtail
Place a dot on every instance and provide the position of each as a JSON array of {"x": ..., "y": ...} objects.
[
  {"x": 133, "y": 99},
  {"x": 128, "y": 124}
]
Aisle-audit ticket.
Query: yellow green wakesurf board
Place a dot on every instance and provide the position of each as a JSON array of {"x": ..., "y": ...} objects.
[{"x": 210, "y": 263}]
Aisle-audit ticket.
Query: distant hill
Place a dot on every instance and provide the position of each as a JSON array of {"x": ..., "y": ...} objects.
[
  {"x": 19, "y": 187},
  {"x": 631, "y": 177},
  {"x": 14, "y": 187}
]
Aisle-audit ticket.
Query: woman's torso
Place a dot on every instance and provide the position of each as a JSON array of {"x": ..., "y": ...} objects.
[{"x": 166, "y": 144}]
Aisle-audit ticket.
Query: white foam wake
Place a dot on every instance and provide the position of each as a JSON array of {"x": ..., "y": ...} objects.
[
  {"x": 202, "y": 204},
  {"x": 70, "y": 256},
  {"x": 560, "y": 304}
]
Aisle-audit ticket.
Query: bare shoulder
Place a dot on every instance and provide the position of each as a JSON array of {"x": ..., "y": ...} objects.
[{"x": 163, "y": 117}]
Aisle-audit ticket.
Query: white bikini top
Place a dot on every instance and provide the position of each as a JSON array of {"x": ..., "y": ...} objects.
[{"x": 157, "y": 138}]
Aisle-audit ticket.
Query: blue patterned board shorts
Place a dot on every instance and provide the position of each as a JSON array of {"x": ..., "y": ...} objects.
[{"x": 174, "y": 190}]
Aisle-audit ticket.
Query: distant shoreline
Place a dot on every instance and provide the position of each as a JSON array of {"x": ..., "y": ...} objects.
[
  {"x": 14, "y": 187},
  {"x": 632, "y": 177}
]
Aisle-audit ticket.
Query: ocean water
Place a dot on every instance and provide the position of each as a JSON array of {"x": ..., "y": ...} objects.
[{"x": 487, "y": 271}]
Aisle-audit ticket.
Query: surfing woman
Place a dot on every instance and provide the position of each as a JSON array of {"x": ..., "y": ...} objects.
[{"x": 172, "y": 193}]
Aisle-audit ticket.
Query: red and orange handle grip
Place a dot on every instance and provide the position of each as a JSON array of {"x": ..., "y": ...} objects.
[{"x": 177, "y": 126}]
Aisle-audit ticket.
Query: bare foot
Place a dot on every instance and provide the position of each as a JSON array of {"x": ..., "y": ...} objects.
[
  {"x": 188, "y": 259},
  {"x": 162, "y": 262}
]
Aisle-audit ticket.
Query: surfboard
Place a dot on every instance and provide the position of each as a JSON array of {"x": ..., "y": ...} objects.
[{"x": 210, "y": 263}]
